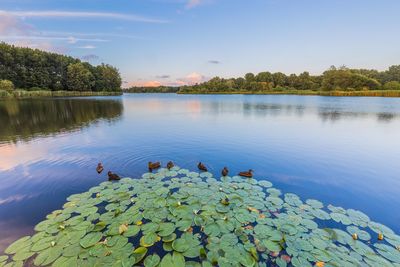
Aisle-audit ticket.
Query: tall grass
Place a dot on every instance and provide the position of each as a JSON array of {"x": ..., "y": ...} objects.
[{"x": 44, "y": 93}]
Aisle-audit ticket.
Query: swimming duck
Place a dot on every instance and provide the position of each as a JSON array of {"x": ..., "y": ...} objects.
[
  {"x": 225, "y": 171},
  {"x": 113, "y": 176},
  {"x": 248, "y": 174},
  {"x": 202, "y": 167},
  {"x": 99, "y": 168},
  {"x": 170, "y": 165},
  {"x": 154, "y": 165}
]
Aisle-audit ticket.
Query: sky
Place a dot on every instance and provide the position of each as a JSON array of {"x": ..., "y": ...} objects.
[{"x": 176, "y": 42}]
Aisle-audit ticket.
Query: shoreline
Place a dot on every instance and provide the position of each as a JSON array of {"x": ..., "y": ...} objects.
[
  {"x": 375, "y": 93},
  {"x": 20, "y": 94}
]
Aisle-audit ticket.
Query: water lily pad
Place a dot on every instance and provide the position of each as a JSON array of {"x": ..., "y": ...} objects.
[
  {"x": 166, "y": 229},
  {"x": 90, "y": 239},
  {"x": 180, "y": 245},
  {"x": 20, "y": 244},
  {"x": 139, "y": 253},
  {"x": 201, "y": 221},
  {"x": 152, "y": 260}
]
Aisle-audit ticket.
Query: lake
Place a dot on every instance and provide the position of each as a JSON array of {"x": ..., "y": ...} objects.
[{"x": 342, "y": 151}]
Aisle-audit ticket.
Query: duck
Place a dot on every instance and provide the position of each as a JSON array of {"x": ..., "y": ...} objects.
[
  {"x": 99, "y": 168},
  {"x": 170, "y": 165},
  {"x": 113, "y": 176},
  {"x": 154, "y": 165},
  {"x": 248, "y": 174},
  {"x": 225, "y": 171},
  {"x": 380, "y": 236},
  {"x": 202, "y": 167}
]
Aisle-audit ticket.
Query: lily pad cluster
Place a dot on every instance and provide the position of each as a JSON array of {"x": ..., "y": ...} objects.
[{"x": 181, "y": 218}]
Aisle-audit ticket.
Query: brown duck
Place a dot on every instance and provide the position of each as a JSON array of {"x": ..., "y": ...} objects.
[
  {"x": 248, "y": 174},
  {"x": 99, "y": 168},
  {"x": 154, "y": 165},
  {"x": 170, "y": 165},
  {"x": 202, "y": 167},
  {"x": 113, "y": 176},
  {"x": 225, "y": 171}
]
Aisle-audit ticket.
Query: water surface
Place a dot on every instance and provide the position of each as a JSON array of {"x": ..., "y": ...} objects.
[{"x": 343, "y": 151}]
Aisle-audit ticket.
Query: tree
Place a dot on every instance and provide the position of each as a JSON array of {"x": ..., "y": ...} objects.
[
  {"x": 249, "y": 77},
  {"x": 392, "y": 74},
  {"x": 6, "y": 85},
  {"x": 279, "y": 79},
  {"x": 345, "y": 79},
  {"x": 107, "y": 78},
  {"x": 393, "y": 85},
  {"x": 264, "y": 77},
  {"x": 79, "y": 78}
]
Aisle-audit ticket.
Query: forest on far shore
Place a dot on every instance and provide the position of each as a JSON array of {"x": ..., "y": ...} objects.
[
  {"x": 341, "y": 79},
  {"x": 35, "y": 70}
]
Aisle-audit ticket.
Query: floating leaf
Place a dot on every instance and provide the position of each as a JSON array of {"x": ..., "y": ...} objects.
[
  {"x": 90, "y": 239},
  {"x": 152, "y": 260}
]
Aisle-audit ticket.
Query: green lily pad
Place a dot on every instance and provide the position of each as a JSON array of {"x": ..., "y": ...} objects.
[
  {"x": 152, "y": 260},
  {"x": 90, "y": 239}
]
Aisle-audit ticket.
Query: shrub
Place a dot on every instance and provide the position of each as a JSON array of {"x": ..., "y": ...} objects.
[
  {"x": 6, "y": 85},
  {"x": 393, "y": 85}
]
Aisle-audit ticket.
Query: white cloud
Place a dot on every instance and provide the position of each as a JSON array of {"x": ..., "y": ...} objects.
[
  {"x": 193, "y": 78},
  {"x": 86, "y": 15}
]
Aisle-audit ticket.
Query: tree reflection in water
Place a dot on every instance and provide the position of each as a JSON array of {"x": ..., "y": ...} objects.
[{"x": 30, "y": 118}]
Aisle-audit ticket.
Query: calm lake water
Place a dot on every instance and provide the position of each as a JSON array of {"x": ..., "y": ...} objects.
[{"x": 342, "y": 151}]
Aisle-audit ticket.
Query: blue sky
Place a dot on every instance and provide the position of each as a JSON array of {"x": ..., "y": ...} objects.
[{"x": 185, "y": 41}]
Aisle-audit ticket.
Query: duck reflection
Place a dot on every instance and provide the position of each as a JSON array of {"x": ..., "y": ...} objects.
[{"x": 30, "y": 118}]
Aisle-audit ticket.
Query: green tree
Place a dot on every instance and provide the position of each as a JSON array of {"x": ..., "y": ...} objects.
[
  {"x": 249, "y": 77},
  {"x": 392, "y": 74},
  {"x": 6, "y": 85},
  {"x": 393, "y": 85},
  {"x": 107, "y": 78},
  {"x": 264, "y": 77},
  {"x": 79, "y": 78},
  {"x": 279, "y": 79}
]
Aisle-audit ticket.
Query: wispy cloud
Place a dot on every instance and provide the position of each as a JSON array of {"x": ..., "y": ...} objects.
[
  {"x": 163, "y": 76},
  {"x": 87, "y": 47},
  {"x": 193, "y": 3},
  {"x": 91, "y": 34},
  {"x": 84, "y": 15},
  {"x": 11, "y": 25},
  {"x": 214, "y": 62},
  {"x": 70, "y": 39}
]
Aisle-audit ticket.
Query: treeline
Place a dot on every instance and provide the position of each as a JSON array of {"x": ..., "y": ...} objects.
[
  {"x": 33, "y": 69},
  {"x": 334, "y": 79},
  {"x": 157, "y": 89}
]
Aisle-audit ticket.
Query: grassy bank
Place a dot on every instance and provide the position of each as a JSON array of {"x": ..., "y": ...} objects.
[
  {"x": 32, "y": 94},
  {"x": 375, "y": 93}
]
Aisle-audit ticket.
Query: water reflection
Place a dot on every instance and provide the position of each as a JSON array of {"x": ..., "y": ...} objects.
[
  {"x": 325, "y": 112},
  {"x": 26, "y": 119}
]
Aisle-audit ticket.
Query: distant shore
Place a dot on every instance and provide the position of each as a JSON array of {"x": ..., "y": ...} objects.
[
  {"x": 374, "y": 93},
  {"x": 17, "y": 94}
]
